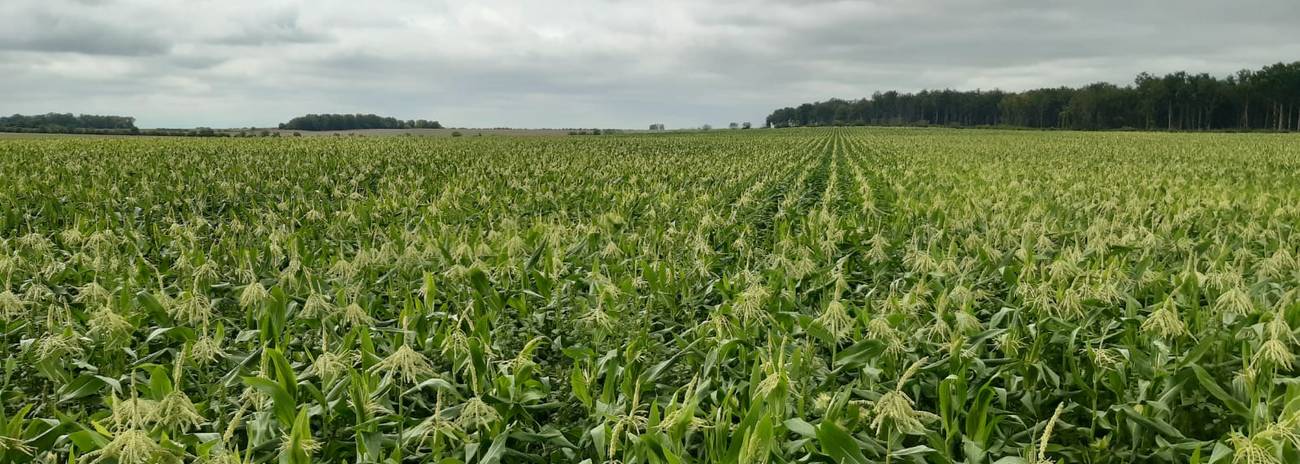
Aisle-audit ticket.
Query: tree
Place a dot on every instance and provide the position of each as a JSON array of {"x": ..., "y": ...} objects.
[
  {"x": 1152, "y": 95},
  {"x": 66, "y": 122},
  {"x": 333, "y": 122},
  {"x": 1268, "y": 98}
]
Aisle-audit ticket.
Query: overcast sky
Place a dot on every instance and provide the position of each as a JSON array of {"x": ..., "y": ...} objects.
[{"x": 590, "y": 63}]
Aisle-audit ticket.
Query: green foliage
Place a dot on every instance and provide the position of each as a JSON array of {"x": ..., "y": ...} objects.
[
  {"x": 1264, "y": 99},
  {"x": 55, "y": 122},
  {"x": 338, "y": 122},
  {"x": 811, "y": 295}
]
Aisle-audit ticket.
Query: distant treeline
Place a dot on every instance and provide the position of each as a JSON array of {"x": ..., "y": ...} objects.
[
  {"x": 336, "y": 122},
  {"x": 67, "y": 123},
  {"x": 1266, "y": 99},
  {"x": 595, "y": 131}
]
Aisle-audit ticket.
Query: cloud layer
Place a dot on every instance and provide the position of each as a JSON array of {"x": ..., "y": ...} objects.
[{"x": 590, "y": 63}]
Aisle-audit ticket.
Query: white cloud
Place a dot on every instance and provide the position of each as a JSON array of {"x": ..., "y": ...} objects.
[{"x": 607, "y": 63}]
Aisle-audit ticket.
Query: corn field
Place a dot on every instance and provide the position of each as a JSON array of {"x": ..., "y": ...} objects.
[{"x": 766, "y": 296}]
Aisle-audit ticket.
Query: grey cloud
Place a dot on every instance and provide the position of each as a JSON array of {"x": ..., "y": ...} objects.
[
  {"x": 281, "y": 27},
  {"x": 49, "y": 32},
  {"x": 594, "y": 62}
]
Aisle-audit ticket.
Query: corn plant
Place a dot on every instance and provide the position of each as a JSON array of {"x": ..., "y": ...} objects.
[{"x": 802, "y": 295}]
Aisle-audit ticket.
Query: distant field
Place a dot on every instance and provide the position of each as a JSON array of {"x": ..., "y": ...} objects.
[
  {"x": 426, "y": 132},
  {"x": 803, "y": 295},
  {"x": 21, "y": 135},
  {"x": 362, "y": 133}
]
